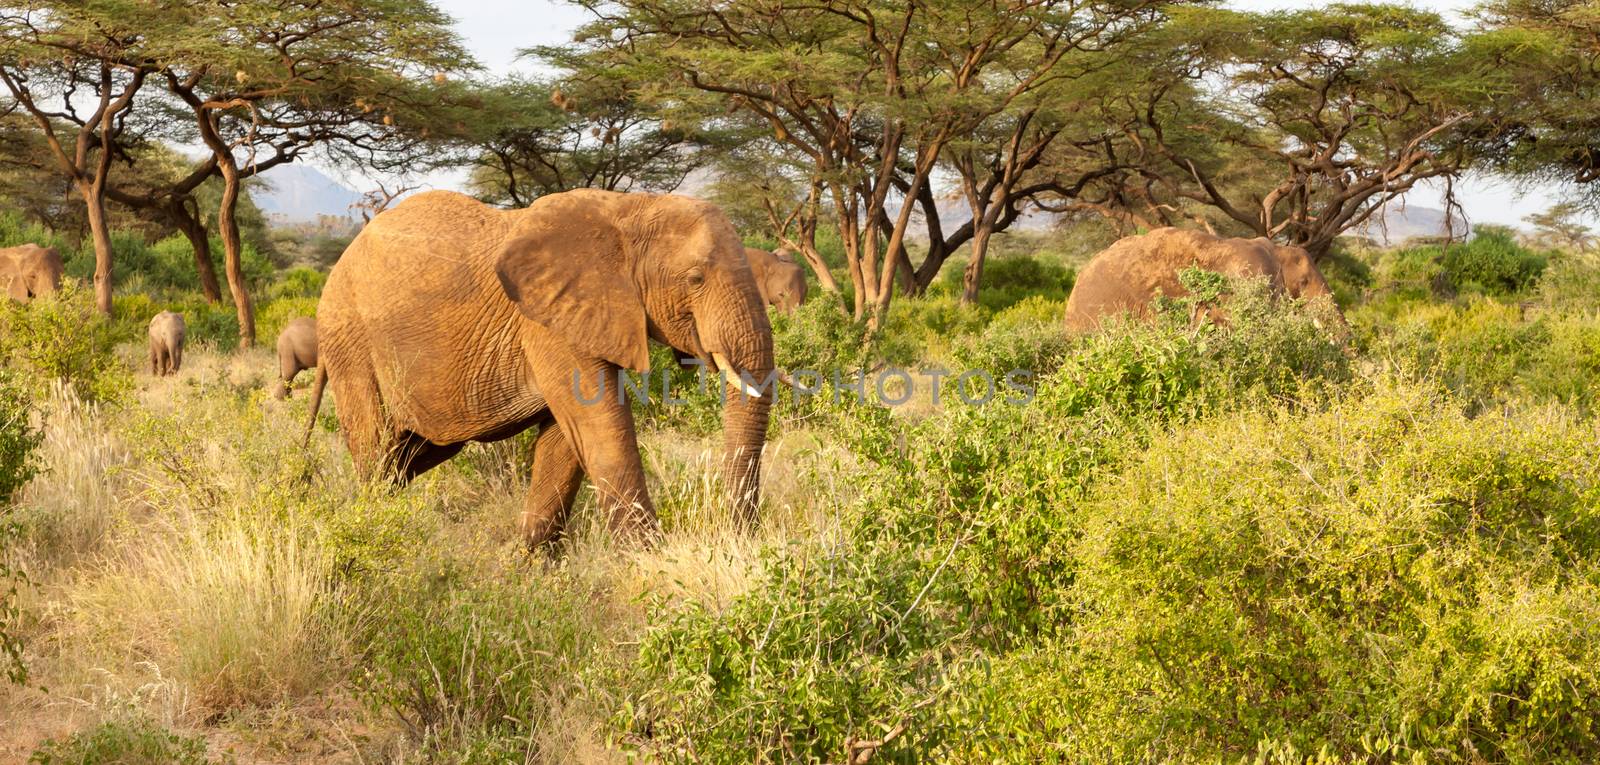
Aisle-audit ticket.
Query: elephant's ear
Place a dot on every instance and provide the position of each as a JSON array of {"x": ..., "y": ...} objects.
[{"x": 578, "y": 287}]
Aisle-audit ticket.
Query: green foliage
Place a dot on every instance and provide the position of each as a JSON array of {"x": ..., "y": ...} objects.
[
  {"x": 63, "y": 337},
  {"x": 123, "y": 743},
  {"x": 1386, "y": 577},
  {"x": 1492, "y": 262},
  {"x": 19, "y": 440},
  {"x": 1490, "y": 352},
  {"x": 1010, "y": 280},
  {"x": 924, "y": 326},
  {"x": 272, "y": 315},
  {"x": 1029, "y": 335},
  {"x": 1347, "y": 274},
  {"x": 957, "y": 552},
  {"x": 18, "y": 437},
  {"x": 819, "y": 335},
  {"x": 298, "y": 282},
  {"x": 473, "y": 667},
  {"x": 1572, "y": 281}
]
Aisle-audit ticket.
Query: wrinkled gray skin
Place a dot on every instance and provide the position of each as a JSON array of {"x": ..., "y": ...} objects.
[
  {"x": 28, "y": 271},
  {"x": 780, "y": 279},
  {"x": 297, "y": 350},
  {"x": 166, "y": 343}
]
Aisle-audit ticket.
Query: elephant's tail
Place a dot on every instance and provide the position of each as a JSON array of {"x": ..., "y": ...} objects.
[{"x": 320, "y": 382}]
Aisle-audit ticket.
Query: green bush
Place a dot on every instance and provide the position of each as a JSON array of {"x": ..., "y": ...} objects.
[
  {"x": 1492, "y": 262},
  {"x": 272, "y": 315},
  {"x": 958, "y": 551},
  {"x": 18, "y": 438},
  {"x": 819, "y": 335},
  {"x": 1571, "y": 282},
  {"x": 123, "y": 743},
  {"x": 1010, "y": 280},
  {"x": 299, "y": 282},
  {"x": 1029, "y": 335},
  {"x": 1387, "y": 578},
  {"x": 1490, "y": 352},
  {"x": 1348, "y": 274},
  {"x": 925, "y": 327},
  {"x": 63, "y": 337},
  {"x": 19, "y": 441}
]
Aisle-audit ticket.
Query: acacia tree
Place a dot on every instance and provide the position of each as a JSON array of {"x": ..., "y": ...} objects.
[
  {"x": 529, "y": 138},
  {"x": 1293, "y": 126},
  {"x": 162, "y": 186},
  {"x": 75, "y": 69},
  {"x": 1543, "y": 58},
  {"x": 865, "y": 99},
  {"x": 265, "y": 82}
]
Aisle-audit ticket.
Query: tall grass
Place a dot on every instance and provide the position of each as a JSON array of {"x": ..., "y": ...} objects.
[{"x": 240, "y": 611}]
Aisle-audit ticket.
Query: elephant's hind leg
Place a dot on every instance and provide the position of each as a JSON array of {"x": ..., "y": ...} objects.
[
  {"x": 367, "y": 432},
  {"x": 556, "y": 478}
]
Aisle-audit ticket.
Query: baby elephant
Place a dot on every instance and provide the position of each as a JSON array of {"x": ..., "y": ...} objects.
[
  {"x": 297, "y": 350},
  {"x": 166, "y": 343}
]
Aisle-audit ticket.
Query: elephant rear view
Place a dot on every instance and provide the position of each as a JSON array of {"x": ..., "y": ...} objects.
[
  {"x": 297, "y": 351},
  {"x": 167, "y": 332},
  {"x": 29, "y": 271},
  {"x": 447, "y": 321}
]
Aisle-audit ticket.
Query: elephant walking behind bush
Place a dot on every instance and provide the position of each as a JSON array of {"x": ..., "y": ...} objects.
[{"x": 447, "y": 321}]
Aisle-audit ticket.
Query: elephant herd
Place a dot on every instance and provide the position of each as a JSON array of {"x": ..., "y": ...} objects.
[{"x": 447, "y": 321}]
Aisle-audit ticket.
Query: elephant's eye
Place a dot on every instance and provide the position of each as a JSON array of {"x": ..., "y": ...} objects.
[{"x": 695, "y": 277}]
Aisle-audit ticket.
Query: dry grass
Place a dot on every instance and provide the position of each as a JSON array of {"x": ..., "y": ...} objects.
[
  {"x": 236, "y": 611},
  {"x": 189, "y": 562}
]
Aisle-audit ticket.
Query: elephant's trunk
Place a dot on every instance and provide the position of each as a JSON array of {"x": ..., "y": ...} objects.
[
  {"x": 744, "y": 434},
  {"x": 746, "y": 349}
]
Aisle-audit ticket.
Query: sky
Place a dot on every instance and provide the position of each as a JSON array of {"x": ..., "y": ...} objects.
[{"x": 494, "y": 30}]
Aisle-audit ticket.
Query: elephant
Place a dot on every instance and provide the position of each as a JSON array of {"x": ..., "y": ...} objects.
[
  {"x": 30, "y": 271},
  {"x": 1129, "y": 274},
  {"x": 780, "y": 279},
  {"x": 447, "y": 321},
  {"x": 166, "y": 343},
  {"x": 297, "y": 350}
]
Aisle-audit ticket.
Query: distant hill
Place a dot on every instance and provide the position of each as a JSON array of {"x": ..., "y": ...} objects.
[
  {"x": 299, "y": 193},
  {"x": 1396, "y": 223}
]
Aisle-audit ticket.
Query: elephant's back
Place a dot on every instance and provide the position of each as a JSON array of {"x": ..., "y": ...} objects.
[
  {"x": 415, "y": 302},
  {"x": 1134, "y": 270}
]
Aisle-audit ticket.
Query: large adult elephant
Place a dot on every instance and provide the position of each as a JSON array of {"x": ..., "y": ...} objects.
[
  {"x": 1129, "y": 274},
  {"x": 781, "y": 281},
  {"x": 447, "y": 321},
  {"x": 28, "y": 271}
]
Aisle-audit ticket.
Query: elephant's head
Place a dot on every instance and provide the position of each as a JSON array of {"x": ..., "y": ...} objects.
[
  {"x": 31, "y": 271},
  {"x": 610, "y": 271},
  {"x": 1301, "y": 278},
  {"x": 780, "y": 279}
]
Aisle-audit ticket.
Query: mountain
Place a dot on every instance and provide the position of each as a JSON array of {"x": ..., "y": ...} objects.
[
  {"x": 298, "y": 193},
  {"x": 1398, "y": 222}
]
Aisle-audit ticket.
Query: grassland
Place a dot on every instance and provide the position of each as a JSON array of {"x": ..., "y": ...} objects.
[{"x": 1254, "y": 543}]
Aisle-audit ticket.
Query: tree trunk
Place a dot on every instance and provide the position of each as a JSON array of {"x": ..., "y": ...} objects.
[
  {"x": 94, "y": 201},
  {"x": 232, "y": 251},
  {"x": 972, "y": 277},
  {"x": 200, "y": 242}
]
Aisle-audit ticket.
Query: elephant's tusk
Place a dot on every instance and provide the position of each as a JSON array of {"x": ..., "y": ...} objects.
[{"x": 738, "y": 381}]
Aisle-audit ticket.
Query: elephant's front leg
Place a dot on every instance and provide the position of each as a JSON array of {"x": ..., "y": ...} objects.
[
  {"x": 600, "y": 431},
  {"x": 554, "y": 486}
]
